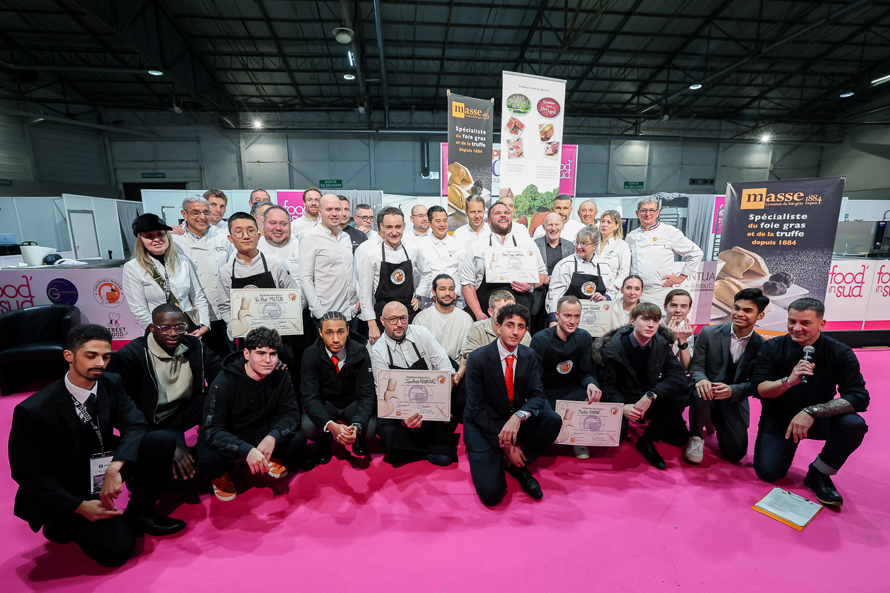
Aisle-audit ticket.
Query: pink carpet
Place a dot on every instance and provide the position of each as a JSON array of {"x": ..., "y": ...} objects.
[{"x": 611, "y": 521}]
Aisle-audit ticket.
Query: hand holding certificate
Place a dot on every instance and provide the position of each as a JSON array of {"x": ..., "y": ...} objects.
[
  {"x": 596, "y": 424},
  {"x": 596, "y": 316},
  {"x": 403, "y": 393},
  {"x": 510, "y": 264},
  {"x": 280, "y": 309}
]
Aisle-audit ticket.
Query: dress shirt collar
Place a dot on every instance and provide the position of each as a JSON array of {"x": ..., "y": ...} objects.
[
  {"x": 636, "y": 344},
  {"x": 79, "y": 393},
  {"x": 198, "y": 237},
  {"x": 392, "y": 344},
  {"x": 341, "y": 356},
  {"x": 504, "y": 353},
  {"x": 742, "y": 338}
]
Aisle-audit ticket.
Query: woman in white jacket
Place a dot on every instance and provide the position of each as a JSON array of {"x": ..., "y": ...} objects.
[
  {"x": 613, "y": 249},
  {"x": 159, "y": 274}
]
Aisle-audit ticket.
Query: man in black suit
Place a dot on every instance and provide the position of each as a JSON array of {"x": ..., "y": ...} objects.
[
  {"x": 167, "y": 373},
  {"x": 61, "y": 441},
  {"x": 554, "y": 248},
  {"x": 507, "y": 416},
  {"x": 721, "y": 367}
]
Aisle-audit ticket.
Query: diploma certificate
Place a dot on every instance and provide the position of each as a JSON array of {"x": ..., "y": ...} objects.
[
  {"x": 597, "y": 424},
  {"x": 403, "y": 393},
  {"x": 596, "y": 317},
  {"x": 511, "y": 264},
  {"x": 280, "y": 309}
]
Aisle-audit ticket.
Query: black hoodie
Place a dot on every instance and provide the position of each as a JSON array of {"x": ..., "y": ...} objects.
[{"x": 239, "y": 411}]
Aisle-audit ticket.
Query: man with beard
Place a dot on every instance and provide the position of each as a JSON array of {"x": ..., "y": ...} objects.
[
  {"x": 390, "y": 270},
  {"x": 311, "y": 213},
  {"x": 70, "y": 466},
  {"x": 564, "y": 351},
  {"x": 476, "y": 289},
  {"x": 404, "y": 347},
  {"x": 443, "y": 253}
]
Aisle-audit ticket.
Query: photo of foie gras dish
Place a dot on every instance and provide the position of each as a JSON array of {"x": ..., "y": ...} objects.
[
  {"x": 460, "y": 185},
  {"x": 546, "y": 132},
  {"x": 515, "y": 127},
  {"x": 514, "y": 149},
  {"x": 744, "y": 265},
  {"x": 551, "y": 150}
]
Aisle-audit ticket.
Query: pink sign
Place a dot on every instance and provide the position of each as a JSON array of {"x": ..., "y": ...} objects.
[
  {"x": 567, "y": 169},
  {"x": 292, "y": 201},
  {"x": 719, "y": 213}
]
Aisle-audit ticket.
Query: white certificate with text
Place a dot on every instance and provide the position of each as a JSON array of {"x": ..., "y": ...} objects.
[
  {"x": 511, "y": 264},
  {"x": 596, "y": 424},
  {"x": 280, "y": 309},
  {"x": 403, "y": 393}
]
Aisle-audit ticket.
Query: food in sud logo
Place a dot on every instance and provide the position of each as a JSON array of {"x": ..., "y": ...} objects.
[
  {"x": 758, "y": 198},
  {"x": 460, "y": 110},
  {"x": 588, "y": 288},
  {"x": 564, "y": 368},
  {"x": 847, "y": 284},
  {"x": 397, "y": 277},
  {"x": 108, "y": 292}
]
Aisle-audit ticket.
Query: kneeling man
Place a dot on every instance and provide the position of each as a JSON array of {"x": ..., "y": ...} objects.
[
  {"x": 797, "y": 377},
  {"x": 507, "y": 418},
  {"x": 70, "y": 466},
  {"x": 251, "y": 415}
]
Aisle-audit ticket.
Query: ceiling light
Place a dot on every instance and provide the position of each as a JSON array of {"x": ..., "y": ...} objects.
[
  {"x": 343, "y": 35},
  {"x": 694, "y": 87},
  {"x": 881, "y": 79},
  {"x": 351, "y": 57},
  {"x": 764, "y": 139},
  {"x": 155, "y": 72},
  {"x": 257, "y": 124},
  {"x": 349, "y": 76},
  {"x": 847, "y": 94}
]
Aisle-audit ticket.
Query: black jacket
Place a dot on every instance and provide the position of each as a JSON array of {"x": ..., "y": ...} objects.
[
  {"x": 133, "y": 364},
  {"x": 618, "y": 380},
  {"x": 48, "y": 455},
  {"x": 320, "y": 382},
  {"x": 239, "y": 412}
]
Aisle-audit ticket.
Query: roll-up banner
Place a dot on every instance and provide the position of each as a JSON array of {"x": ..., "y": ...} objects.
[
  {"x": 470, "y": 129},
  {"x": 532, "y": 114},
  {"x": 778, "y": 236}
]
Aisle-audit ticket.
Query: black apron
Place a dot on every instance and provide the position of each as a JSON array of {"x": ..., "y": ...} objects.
[
  {"x": 388, "y": 287},
  {"x": 560, "y": 375},
  {"x": 485, "y": 290},
  {"x": 432, "y": 438},
  {"x": 584, "y": 285}
]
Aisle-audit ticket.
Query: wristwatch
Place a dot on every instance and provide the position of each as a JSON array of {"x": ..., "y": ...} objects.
[
  {"x": 683, "y": 346},
  {"x": 812, "y": 411},
  {"x": 522, "y": 415},
  {"x": 650, "y": 394},
  {"x": 786, "y": 383}
]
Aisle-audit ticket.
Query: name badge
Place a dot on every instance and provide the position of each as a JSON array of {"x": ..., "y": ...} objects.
[{"x": 98, "y": 464}]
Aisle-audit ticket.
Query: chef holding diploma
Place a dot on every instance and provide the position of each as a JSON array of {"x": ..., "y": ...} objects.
[
  {"x": 404, "y": 347},
  {"x": 582, "y": 275},
  {"x": 798, "y": 401}
]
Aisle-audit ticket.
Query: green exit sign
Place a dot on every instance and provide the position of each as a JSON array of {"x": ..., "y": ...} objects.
[
  {"x": 154, "y": 175},
  {"x": 633, "y": 185},
  {"x": 330, "y": 183}
]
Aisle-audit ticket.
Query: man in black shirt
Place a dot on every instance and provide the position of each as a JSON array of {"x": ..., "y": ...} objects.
[
  {"x": 554, "y": 248},
  {"x": 564, "y": 352},
  {"x": 638, "y": 369},
  {"x": 796, "y": 377}
]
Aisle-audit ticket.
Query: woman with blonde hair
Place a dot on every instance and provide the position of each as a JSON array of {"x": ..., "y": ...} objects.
[
  {"x": 613, "y": 249},
  {"x": 159, "y": 274}
]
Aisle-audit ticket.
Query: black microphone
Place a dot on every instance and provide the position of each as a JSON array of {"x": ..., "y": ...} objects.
[{"x": 807, "y": 351}]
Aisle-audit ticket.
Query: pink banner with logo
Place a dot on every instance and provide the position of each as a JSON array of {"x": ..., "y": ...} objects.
[
  {"x": 292, "y": 201},
  {"x": 568, "y": 165}
]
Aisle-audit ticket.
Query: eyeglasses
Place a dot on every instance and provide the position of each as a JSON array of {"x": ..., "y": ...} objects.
[
  {"x": 395, "y": 320},
  {"x": 420, "y": 216},
  {"x": 579, "y": 244},
  {"x": 239, "y": 233},
  {"x": 647, "y": 210},
  {"x": 177, "y": 329},
  {"x": 199, "y": 212},
  {"x": 365, "y": 218}
]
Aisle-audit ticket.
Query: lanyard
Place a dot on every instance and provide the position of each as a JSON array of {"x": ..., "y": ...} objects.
[{"x": 89, "y": 420}]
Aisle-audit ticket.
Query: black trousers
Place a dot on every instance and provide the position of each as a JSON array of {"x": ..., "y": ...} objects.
[
  {"x": 487, "y": 466},
  {"x": 773, "y": 453},
  {"x": 214, "y": 463},
  {"x": 111, "y": 542},
  {"x": 574, "y": 393},
  {"x": 348, "y": 415},
  {"x": 662, "y": 414},
  {"x": 731, "y": 419}
]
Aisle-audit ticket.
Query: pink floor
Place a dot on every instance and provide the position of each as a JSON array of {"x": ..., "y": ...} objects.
[{"x": 611, "y": 521}]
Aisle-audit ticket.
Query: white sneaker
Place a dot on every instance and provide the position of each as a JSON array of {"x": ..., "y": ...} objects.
[
  {"x": 581, "y": 452},
  {"x": 695, "y": 450}
]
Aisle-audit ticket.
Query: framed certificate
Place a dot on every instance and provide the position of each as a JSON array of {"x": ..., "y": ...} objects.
[
  {"x": 403, "y": 393},
  {"x": 280, "y": 309},
  {"x": 597, "y": 424},
  {"x": 511, "y": 264},
  {"x": 596, "y": 317}
]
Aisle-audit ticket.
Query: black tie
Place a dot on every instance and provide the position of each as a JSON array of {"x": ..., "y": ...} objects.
[{"x": 91, "y": 406}]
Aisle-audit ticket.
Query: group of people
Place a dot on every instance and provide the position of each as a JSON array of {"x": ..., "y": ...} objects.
[{"x": 408, "y": 298}]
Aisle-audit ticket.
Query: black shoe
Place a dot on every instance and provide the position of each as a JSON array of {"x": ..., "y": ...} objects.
[
  {"x": 360, "y": 448},
  {"x": 323, "y": 453},
  {"x": 647, "y": 448},
  {"x": 305, "y": 460},
  {"x": 158, "y": 526},
  {"x": 676, "y": 434},
  {"x": 526, "y": 481},
  {"x": 823, "y": 487}
]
